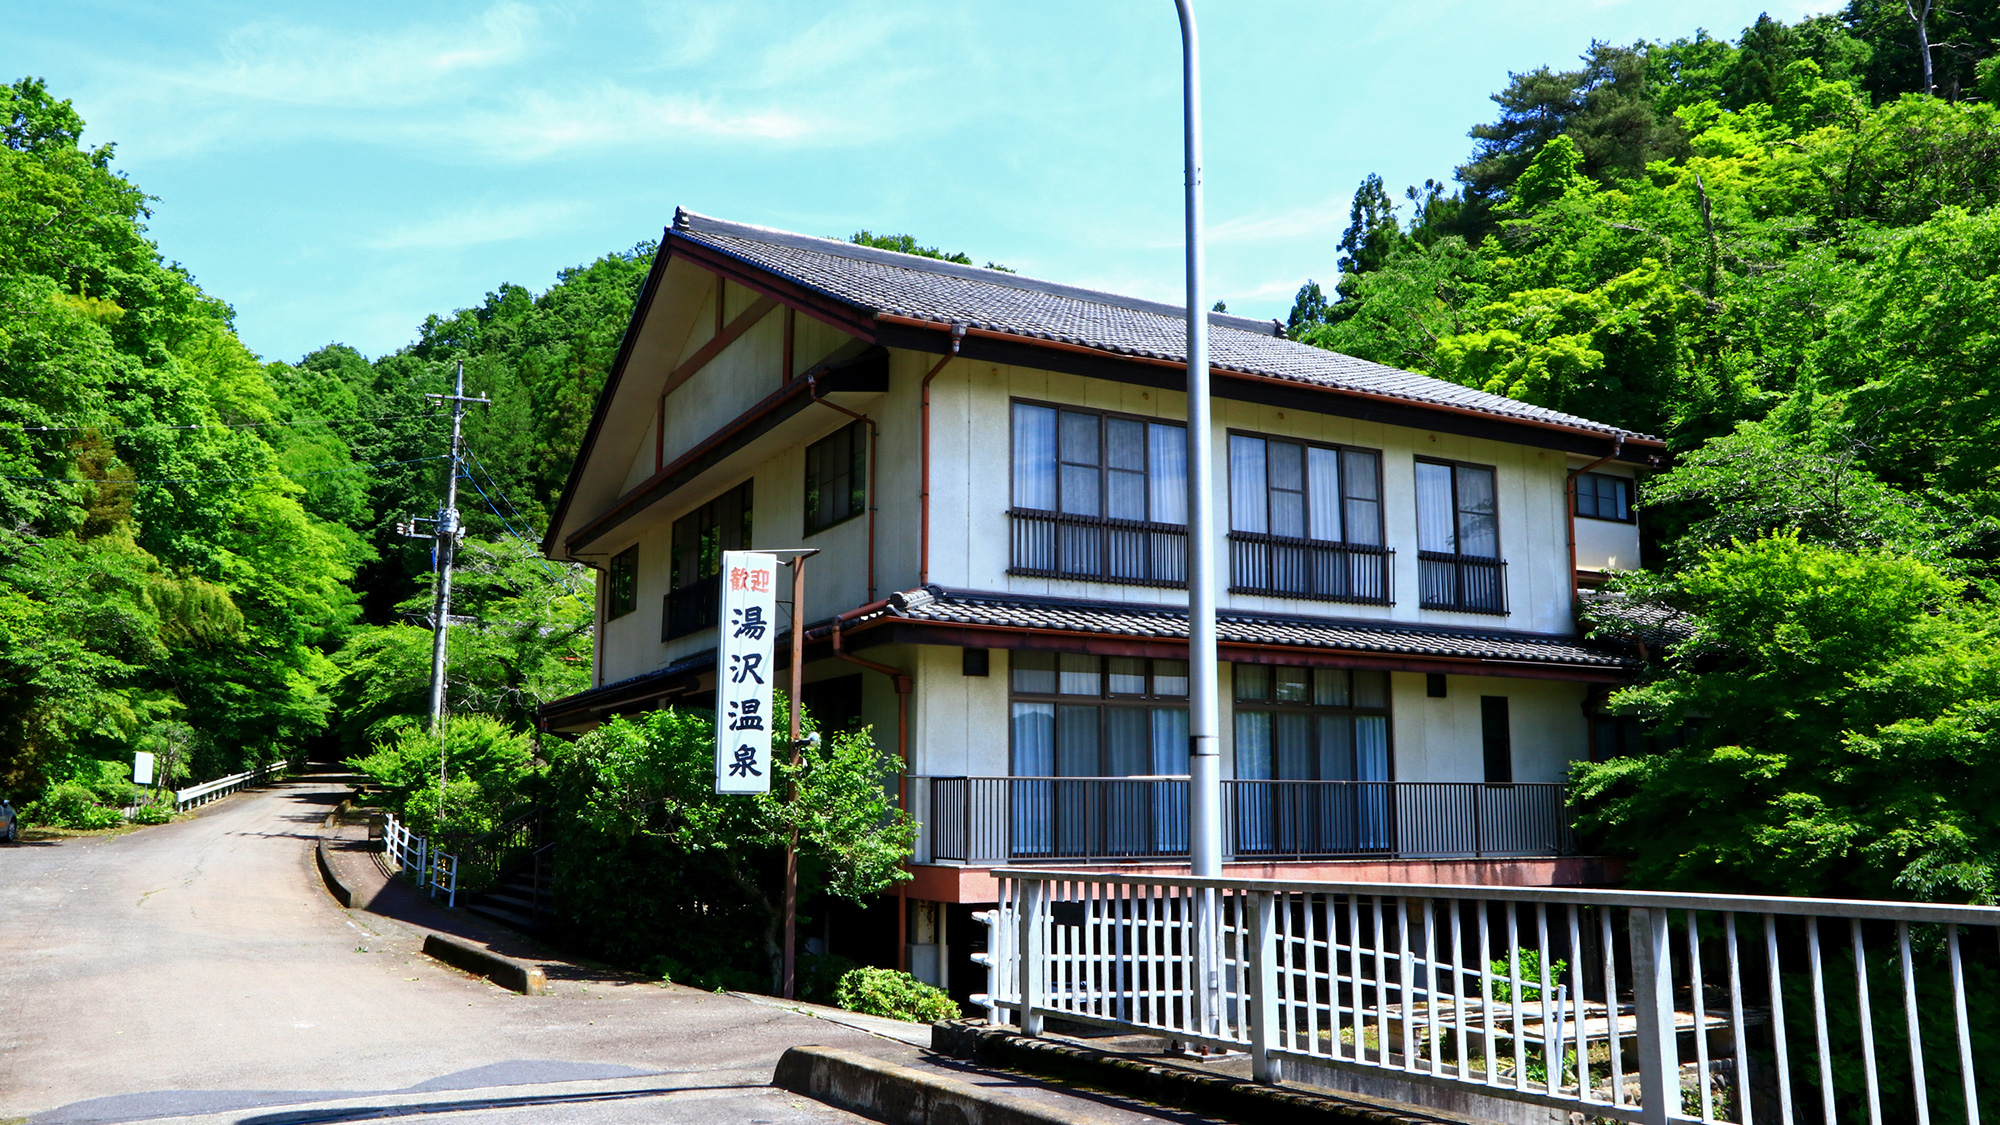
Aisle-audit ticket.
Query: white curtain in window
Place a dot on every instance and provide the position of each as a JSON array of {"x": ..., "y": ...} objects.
[
  {"x": 1166, "y": 470},
  {"x": 1371, "y": 763},
  {"x": 1336, "y": 748},
  {"x": 1034, "y": 739},
  {"x": 1034, "y": 457},
  {"x": 1031, "y": 812},
  {"x": 1253, "y": 745},
  {"x": 1125, "y": 469},
  {"x": 1170, "y": 798},
  {"x": 1292, "y": 759},
  {"x": 1170, "y": 741},
  {"x": 1323, "y": 492},
  {"x": 1128, "y": 749},
  {"x": 1248, "y": 499},
  {"x": 1076, "y": 742},
  {"x": 1253, "y": 763},
  {"x": 1478, "y": 514},
  {"x": 1435, "y": 516},
  {"x": 1362, "y": 498}
]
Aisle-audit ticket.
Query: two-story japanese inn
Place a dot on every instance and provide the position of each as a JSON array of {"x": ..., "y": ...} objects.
[{"x": 994, "y": 471}]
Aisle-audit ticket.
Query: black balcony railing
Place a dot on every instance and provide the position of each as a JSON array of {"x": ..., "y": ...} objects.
[
  {"x": 1461, "y": 582},
  {"x": 691, "y": 608},
  {"x": 1132, "y": 552},
  {"x": 992, "y": 820},
  {"x": 1310, "y": 568}
]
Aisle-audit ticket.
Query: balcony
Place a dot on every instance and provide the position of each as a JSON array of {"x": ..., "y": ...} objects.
[
  {"x": 1461, "y": 582},
  {"x": 984, "y": 821},
  {"x": 1098, "y": 549},
  {"x": 1284, "y": 567}
]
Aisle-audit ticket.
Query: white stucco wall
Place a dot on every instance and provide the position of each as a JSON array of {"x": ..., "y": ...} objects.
[{"x": 971, "y": 485}]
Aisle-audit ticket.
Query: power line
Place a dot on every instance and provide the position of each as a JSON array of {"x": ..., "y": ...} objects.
[
  {"x": 217, "y": 425},
  {"x": 221, "y": 480},
  {"x": 554, "y": 577}
]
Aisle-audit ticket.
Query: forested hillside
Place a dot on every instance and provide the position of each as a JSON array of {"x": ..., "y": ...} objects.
[
  {"x": 1781, "y": 252},
  {"x": 197, "y": 547},
  {"x": 1783, "y": 255}
]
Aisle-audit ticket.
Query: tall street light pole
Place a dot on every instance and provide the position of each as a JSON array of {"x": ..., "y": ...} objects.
[
  {"x": 1204, "y": 726},
  {"x": 1204, "y": 732}
]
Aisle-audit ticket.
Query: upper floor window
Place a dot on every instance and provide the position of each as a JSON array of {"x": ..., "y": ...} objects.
[
  {"x": 1099, "y": 496},
  {"x": 621, "y": 583},
  {"x": 837, "y": 477},
  {"x": 1601, "y": 496},
  {"x": 1305, "y": 520},
  {"x": 1458, "y": 539},
  {"x": 700, "y": 537}
]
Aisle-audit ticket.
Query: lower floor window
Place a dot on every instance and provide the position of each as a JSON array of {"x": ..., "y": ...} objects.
[{"x": 1312, "y": 761}]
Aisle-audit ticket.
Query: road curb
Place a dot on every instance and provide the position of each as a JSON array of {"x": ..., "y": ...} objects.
[
  {"x": 901, "y": 1095},
  {"x": 1221, "y": 1095},
  {"x": 341, "y": 892},
  {"x": 526, "y": 979}
]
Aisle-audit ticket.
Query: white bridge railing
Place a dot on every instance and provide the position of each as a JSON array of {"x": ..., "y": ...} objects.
[
  {"x": 434, "y": 872},
  {"x": 185, "y": 799},
  {"x": 1623, "y": 1005}
]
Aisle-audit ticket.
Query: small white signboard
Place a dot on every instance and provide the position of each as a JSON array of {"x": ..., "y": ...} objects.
[
  {"x": 142, "y": 768},
  {"x": 743, "y": 673}
]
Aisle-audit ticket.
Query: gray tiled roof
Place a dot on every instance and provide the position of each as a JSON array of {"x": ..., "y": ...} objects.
[
  {"x": 885, "y": 282},
  {"x": 1009, "y": 611}
]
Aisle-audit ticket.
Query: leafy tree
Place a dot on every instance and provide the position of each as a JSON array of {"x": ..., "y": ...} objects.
[
  {"x": 653, "y": 862},
  {"x": 1841, "y": 733}
]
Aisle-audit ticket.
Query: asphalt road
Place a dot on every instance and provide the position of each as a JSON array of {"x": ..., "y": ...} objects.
[{"x": 199, "y": 971}]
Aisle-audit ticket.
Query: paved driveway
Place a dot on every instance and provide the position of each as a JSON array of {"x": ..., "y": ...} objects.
[{"x": 199, "y": 970}]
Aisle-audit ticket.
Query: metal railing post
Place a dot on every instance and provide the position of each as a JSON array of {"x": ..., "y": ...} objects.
[
  {"x": 1031, "y": 898},
  {"x": 1263, "y": 984},
  {"x": 1653, "y": 1006}
]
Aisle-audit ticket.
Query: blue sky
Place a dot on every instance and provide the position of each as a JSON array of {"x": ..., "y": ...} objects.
[{"x": 337, "y": 172}]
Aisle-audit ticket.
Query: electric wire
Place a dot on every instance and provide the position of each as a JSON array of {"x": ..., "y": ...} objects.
[
  {"x": 219, "y": 425},
  {"x": 221, "y": 480}
]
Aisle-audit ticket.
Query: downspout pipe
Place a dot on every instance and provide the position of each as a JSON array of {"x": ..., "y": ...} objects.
[
  {"x": 1569, "y": 495},
  {"x": 902, "y": 682},
  {"x": 874, "y": 441},
  {"x": 924, "y": 456}
]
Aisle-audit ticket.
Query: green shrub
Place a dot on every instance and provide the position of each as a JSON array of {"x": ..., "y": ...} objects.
[
  {"x": 899, "y": 996},
  {"x": 159, "y": 812},
  {"x": 71, "y": 804},
  {"x": 488, "y": 762},
  {"x": 1531, "y": 977}
]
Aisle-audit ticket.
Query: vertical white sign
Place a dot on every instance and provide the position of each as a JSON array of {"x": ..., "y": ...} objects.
[
  {"x": 743, "y": 673},
  {"x": 142, "y": 767}
]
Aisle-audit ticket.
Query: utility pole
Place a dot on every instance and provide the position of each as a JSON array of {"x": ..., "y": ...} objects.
[{"x": 446, "y": 532}]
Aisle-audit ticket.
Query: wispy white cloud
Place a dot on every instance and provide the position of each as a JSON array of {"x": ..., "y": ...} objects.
[
  {"x": 543, "y": 123},
  {"x": 1307, "y": 221},
  {"x": 299, "y": 64},
  {"x": 476, "y": 225}
]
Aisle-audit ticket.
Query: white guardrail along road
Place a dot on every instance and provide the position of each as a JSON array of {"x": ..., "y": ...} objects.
[
  {"x": 433, "y": 871},
  {"x": 1628, "y": 1006},
  {"x": 185, "y": 799}
]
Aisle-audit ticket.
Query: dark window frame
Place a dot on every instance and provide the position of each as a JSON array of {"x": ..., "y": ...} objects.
[
  {"x": 1345, "y": 540},
  {"x": 1625, "y": 485},
  {"x": 1104, "y": 470},
  {"x": 1053, "y": 542},
  {"x": 856, "y": 500},
  {"x": 1103, "y": 701},
  {"x": 692, "y": 600},
  {"x": 621, "y": 584},
  {"x": 1307, "y": 706},
  {"x": 1457, "y": 557}
]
